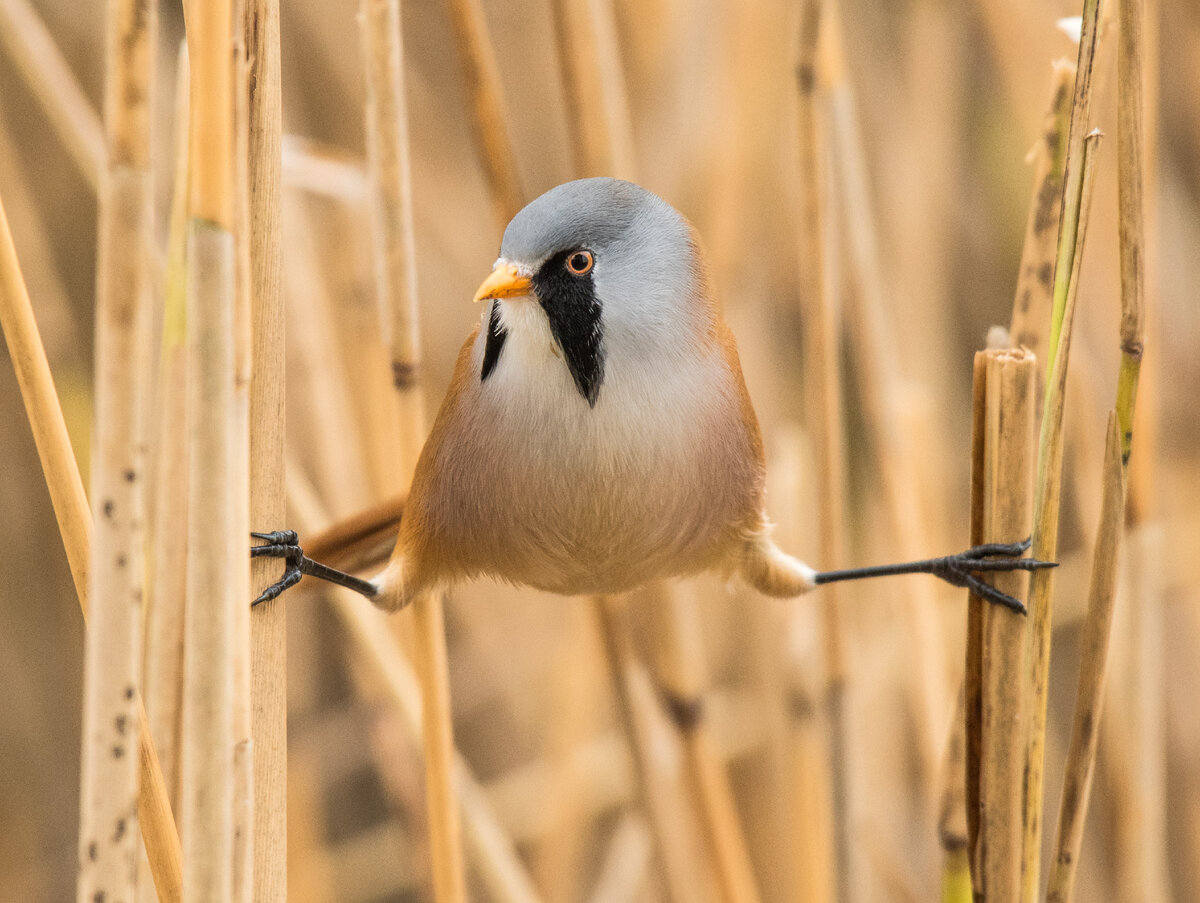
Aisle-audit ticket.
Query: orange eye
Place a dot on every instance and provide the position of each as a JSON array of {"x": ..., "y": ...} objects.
[{"x": 580, "y": 263}]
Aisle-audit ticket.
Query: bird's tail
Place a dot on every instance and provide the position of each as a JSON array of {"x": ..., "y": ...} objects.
[{"x": 772, "y": 571}]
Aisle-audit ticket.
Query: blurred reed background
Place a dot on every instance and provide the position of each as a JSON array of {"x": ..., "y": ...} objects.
[{"x": 926, "y": 115}]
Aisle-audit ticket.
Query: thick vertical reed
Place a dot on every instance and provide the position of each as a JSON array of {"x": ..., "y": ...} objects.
[
  {"x": 217, "y": 572},
  {"x": 112, "y": 673},
  {"x": 1002, "y": 470},
  {"x": 268, "y": 623}
]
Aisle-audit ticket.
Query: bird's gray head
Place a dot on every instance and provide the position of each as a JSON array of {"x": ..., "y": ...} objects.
[{"x": 613, "y": 267}]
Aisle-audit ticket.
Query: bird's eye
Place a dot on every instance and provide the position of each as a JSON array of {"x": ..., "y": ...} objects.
[{"x": 580, "y": 263}]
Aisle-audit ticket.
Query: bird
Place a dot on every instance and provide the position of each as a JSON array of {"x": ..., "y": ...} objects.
[{"x": 597, "y": 433}]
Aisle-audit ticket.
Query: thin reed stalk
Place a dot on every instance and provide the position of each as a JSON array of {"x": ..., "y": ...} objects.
[
  {"x": 680, "y": 670},
  {"x": 396, "y": 281},
  {"x": 882, "y": 388},
  {"x": 824, "y": 405},
  {"x": 166, "y": 601},
  {"x": 624, "y": 870},
  {"x": 218, "y": 570},
  {"x": 589, "y": 59},
  {"x": 492, "y": 851},
  {"x": 653, "y": 784},
  {"x": 1048, "y": 488},
  {"x": 392, "y": 234},
  {"x": 1002, "y": 467},
  {"x": 268, "y": 623},
  {"x": 481, "y": 72},
  {"x": 71, "y": 510},
  {"x": 29, "y": 44},
  {"x": 1089, "y": 697},
  {"x": 112, "y": 672}
]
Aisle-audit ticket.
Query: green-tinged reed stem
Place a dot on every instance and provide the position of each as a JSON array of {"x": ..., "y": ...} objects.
[
  {"x": 1089, "y": 698},
  {"x": 1048, "y": 489}
]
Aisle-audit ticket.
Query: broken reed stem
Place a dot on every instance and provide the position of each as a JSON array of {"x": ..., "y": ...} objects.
[
  {"x": 1030, "y": 323},
  {"x": 217, "y": 569},
  {"x": 680, "y": 671},
  {"x": 481, "y": 72},
  {"x": 1002, "y": 465},
  {"x": 268, "y": 622},
  {"x": 167, "y": 564},
  {"x": 392, "y": 231},
  {"x": 1048, "y": 489},
  {"x": 589, "y": 59},
  {"x": 113, "y": 658},
  {"x": 396, "y": 280},
  {"x": 1093, "y": 670},
  {"x": 28, "y": 43},
  {"x": 75, "y": 526},
  {"x": 824, "y": 405}
]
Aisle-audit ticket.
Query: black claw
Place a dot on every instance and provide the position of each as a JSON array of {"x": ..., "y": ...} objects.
[
  {"x": 1008, "y": 549},
  {"x": 279, "y": 544}
]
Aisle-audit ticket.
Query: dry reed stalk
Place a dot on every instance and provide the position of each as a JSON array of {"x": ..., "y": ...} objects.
[
  {"x": 824, "y": 405},
  {"x": 493, "y": 852},
  {"x": 392, "y": 232},
  {"x": 882, "y": 388},
  {"x": 1030, "y": 324},
  {"x": 167, "y": 538},
  {"x": 218, "y": 571},
  {"x": 1002, "y": 467},
  {"x": 29, "y": 44},
  {"x": 109, "y": 780},
  {"x": 481, "y": 72},
  {"x": 679, "y": 668},
  {"x": 1048, "y": 486},
  {"x": 324, "y": 171},
  {"x": 75, "y": 526},
  {"x": 589, "y": 58},
  {"x": 635, "y": 703},
  {"x": 626, "y": 861},
  {"x": 396, "y": 282},
  {"x": 268, "y": 623},
  {"x": 1089, "y": 699}
]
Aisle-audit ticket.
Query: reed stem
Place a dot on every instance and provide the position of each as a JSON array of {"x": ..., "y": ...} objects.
[
  {"x": 268, "y": 622},
  {"x": 113, "y": 663}
]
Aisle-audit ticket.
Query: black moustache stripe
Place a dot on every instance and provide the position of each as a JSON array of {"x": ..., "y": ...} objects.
[
  {"x": 573, "y": 310},
  {"x": 495, "y": 342}
]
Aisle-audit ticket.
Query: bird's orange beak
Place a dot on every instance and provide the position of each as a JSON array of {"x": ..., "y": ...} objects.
[{"x": 505, "y": 281}]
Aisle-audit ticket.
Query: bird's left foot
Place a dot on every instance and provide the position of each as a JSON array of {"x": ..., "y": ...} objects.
[{"x": 961, "y": 569}]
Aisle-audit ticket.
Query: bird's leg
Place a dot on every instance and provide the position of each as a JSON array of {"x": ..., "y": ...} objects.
[
  {"x": 959, "y": 570},
  {"x": 285, "y": 544}
]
